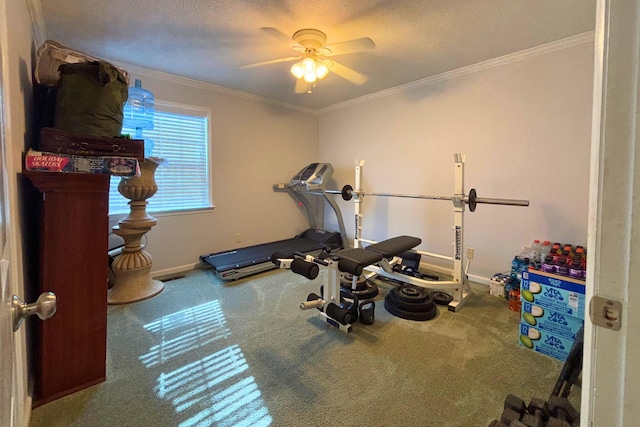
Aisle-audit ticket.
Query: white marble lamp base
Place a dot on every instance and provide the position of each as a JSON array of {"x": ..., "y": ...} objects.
[
  {"x": 132, "y": 269},
  {"x": 133, "y": 285}
]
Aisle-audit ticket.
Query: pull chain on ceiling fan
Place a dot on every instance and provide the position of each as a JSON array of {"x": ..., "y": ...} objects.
[{"x": 313, "y": 55}]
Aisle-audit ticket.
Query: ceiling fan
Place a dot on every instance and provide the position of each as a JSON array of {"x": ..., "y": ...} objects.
[{"x": 313, "y": 56}]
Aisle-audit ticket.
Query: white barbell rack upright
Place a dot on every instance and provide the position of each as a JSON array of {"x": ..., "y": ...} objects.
[
  {"x": 459, "y": 285},
  {"x": 358, "y": 203}
]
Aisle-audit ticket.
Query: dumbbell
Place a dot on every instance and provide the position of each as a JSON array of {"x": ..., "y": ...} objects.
[
  {"x": 514, "y": 409},
  {"x": 561, "y": 409},
  {"x": 514, "y": 423},
  {"x": 537, "y": 413},
  {"x": 557, "y": 422}
]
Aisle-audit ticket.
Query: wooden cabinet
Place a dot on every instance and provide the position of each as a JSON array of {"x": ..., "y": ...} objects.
[{"x": 70, "y": 347}]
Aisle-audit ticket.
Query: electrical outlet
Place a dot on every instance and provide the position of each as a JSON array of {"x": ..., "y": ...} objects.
[
  {"x": 470, "y": 253},
  {"x": 238, "y": 237}
]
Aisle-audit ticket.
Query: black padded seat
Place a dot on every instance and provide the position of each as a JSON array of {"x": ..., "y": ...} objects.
[
  {"x": 394, "y": 246},
  {"x": 360, "y": 255}
]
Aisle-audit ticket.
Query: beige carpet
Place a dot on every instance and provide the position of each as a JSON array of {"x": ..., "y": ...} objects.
[{"x": 209, "y": 353}]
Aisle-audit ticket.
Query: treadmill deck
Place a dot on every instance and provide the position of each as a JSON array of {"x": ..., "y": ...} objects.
[{"x": 237, "y": 263}]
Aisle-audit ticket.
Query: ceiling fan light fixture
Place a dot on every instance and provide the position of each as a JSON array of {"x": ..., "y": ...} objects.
[
  {"x": 309, "y": 65},
  {"x": 321, "y": 70},
  {"x": 297, "y": 70},
  {"x": 310, "y": 69},
  {"x": 312, "y": 59}
]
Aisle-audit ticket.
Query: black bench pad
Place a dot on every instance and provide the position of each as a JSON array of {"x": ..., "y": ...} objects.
[
  {"x": 361, "y": 256},
  {"x": 394, "y": 246}
]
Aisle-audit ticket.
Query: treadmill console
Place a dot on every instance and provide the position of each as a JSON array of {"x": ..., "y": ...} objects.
[{"x": 313, "y": 176}]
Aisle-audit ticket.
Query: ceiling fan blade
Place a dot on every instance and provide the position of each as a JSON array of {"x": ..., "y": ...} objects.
[
  {"x": 301, "y": 86},
  {"x": 348, "y": 73},
  {"x": 270, "y": 61},
  {"x": 274, "y": 32},
  {"x": 350, "y": 46}
]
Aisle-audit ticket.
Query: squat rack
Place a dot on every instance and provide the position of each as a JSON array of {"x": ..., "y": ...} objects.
[{"x": 459, "y": 285}]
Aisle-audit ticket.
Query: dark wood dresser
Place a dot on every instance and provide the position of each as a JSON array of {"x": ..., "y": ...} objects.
[{"x": 70, "y": 347}]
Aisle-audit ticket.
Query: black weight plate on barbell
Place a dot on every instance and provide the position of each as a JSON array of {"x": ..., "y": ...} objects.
[
  {"x": 409, "y": 315},
  {"x": 442, "y": 298},
  {"x": 472, "y": 200},
  {"x": 347, "y": 192}
]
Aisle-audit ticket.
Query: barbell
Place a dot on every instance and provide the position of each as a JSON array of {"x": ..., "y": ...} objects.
[{"x": 472, "y": 200}]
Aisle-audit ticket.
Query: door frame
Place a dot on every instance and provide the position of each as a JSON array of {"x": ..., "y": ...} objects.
[{"x": 609, "y": 392}]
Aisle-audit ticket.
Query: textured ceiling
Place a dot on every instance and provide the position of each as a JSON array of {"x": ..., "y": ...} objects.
[{"x": 207, "y": 40}]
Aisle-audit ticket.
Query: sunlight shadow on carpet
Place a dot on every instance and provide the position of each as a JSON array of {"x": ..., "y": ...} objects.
[{"x": 214, "y": 389}]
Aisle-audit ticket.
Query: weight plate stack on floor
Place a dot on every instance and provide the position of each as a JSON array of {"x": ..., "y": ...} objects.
[
  {"x": 442, "y": 298},
  {"x": 364, "y": 289},
  {"x": 411, "y": 303}
]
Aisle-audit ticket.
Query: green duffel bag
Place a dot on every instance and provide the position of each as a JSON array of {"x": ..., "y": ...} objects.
[{"x": 90, "y": 99}]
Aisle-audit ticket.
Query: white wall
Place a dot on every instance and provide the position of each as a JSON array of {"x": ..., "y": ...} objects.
[
  {"x": 254, "y": 145},
  {"x": 523, "y": 123}
]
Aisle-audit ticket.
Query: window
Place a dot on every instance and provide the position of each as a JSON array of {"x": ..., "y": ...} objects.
[{"x": 181, "y": 137}]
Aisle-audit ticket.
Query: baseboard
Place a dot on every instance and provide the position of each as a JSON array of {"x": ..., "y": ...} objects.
[
  {"x": 174, "y": 271},
  {"x": 479, "y": 279},
  {"x": 443, "y": 270}
]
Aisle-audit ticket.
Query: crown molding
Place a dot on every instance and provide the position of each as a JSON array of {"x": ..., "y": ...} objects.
[
  {"x": 522, "y": 55},
  {"x": 197, "y": 84}
]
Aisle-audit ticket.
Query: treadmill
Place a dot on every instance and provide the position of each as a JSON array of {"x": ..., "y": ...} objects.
[{"x": 242, "y": 262}]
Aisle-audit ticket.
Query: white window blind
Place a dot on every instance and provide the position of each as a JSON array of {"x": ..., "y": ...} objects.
[{"x": 180, "y": 136}]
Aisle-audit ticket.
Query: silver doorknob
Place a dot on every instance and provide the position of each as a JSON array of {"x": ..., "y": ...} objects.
[{"x": 44, "y": 307}]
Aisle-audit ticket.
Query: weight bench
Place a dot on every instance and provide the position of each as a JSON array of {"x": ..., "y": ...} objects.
[
  {"x": 394, "y": 246},
  {"x": 363, "y": 257},
  {"x": 339, "y": 306}
]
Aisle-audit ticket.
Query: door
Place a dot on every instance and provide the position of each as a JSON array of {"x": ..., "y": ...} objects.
[
  {"x": 14, "y": 401},
  {"x": 7, "y": 343},
  {"x": 610, "y": 391},
  {"x": 6, "y": 334}
]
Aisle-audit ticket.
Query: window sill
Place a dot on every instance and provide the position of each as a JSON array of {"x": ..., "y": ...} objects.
[{"x": 117, "y": 217}]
